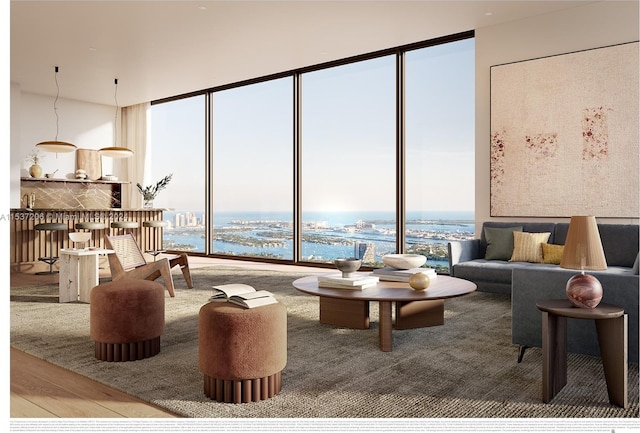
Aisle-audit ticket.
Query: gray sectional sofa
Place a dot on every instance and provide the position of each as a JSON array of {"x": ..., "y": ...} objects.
[{"x": 528, "y": 282}]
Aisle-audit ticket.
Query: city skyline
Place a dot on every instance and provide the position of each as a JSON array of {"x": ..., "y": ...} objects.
[{"x": 323, "y": 237}]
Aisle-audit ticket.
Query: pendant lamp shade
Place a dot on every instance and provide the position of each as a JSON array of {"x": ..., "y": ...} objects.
[
  {"x": 116, "y": 152},
  {"x": 55, "y": 145}
]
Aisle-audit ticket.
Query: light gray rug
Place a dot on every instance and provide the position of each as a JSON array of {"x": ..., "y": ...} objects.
[{"x": 464, "y": 369}]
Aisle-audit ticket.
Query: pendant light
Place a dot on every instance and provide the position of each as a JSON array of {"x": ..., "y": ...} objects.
[
  {"x": 55, "y": 145},
  {"x": 115, "y": 151}
]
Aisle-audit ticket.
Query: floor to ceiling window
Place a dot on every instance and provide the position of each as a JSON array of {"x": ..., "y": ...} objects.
[
  {"x": 177, "y": 147},
  {"x": 348, "y": 161},
  {"x": 303, "y": 166},
  {"x": 253, "y": 170},
  {"x": 439, "y": 148}
]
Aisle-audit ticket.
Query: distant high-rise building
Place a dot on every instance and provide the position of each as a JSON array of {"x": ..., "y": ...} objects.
[
  {"x": 179, "y": 220},
  {"x": 365, "y": 251}
]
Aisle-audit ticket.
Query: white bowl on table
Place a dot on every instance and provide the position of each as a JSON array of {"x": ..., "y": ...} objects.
[
  {"x": 80, "y": 237},
  {"x": 404, "y": 261}
]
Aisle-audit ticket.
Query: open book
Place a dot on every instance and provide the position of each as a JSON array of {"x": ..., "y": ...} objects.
[{"x": 242, "y": 295}]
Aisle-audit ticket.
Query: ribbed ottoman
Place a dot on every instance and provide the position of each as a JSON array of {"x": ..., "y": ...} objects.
[
  {"x": 127, "y": 319},
  {"x": 241, "y": 351}
]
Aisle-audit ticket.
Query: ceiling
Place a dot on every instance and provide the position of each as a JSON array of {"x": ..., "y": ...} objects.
[{"x": 159, "y": 49}]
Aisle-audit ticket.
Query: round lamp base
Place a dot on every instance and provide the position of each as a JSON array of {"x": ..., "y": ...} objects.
[{"x": 584, "y": 291}]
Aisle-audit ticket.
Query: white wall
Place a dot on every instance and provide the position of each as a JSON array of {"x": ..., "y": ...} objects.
[
  {"x": 595, "y": 25},
  {"x": 33, "y": 119}
]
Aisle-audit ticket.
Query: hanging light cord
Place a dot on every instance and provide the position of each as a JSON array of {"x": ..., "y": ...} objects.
[
  {"x": 55, "y": 108},
  {"x": 115, "y": 122}
]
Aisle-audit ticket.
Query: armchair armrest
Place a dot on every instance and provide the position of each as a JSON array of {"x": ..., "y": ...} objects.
[{"x": 463, "y": 251}]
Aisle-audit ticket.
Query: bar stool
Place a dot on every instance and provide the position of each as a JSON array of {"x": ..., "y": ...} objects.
[
  {"x": 50, "y": 227},
  {"x": 155, "y": 225},
  {"x": 90, "y": 225},
  {"x": 124, "y": 225}
]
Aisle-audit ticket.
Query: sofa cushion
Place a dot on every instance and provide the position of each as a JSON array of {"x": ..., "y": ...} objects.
[
  {"x": 495, "y": 271},
  {"x": 530, "y": 227},
  {"x": 552, "y": 254},
  {"x": 527, "y": 247},
  {"x": 636, "y": 265},
  {"x": 499, "y": 242},
  {"x": 620, "y": 243}
]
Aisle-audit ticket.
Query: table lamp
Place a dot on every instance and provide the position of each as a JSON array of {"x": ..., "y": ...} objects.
[{"x": 583, "y": 251}]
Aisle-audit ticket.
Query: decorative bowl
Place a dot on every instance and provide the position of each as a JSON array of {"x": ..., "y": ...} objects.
[
  {"x": 348, "y": 266},
  {"x": 79, "y": 236},
  {"x": 404, "y": 261}
]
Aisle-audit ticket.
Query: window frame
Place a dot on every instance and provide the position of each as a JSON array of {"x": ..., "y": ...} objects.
[{"x": 296, "y": 134}]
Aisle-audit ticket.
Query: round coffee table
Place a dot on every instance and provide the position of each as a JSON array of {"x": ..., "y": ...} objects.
[{"x": 414, "y": 309}]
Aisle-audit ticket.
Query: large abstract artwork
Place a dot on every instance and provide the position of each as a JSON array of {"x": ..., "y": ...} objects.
[{"x": 565, "y": 135}]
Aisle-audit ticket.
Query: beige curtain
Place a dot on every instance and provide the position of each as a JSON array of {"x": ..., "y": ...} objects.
[{"x": 134, "y": 136}]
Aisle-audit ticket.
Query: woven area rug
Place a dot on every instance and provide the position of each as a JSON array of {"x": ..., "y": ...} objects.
[{"x": 464, "y": 369}]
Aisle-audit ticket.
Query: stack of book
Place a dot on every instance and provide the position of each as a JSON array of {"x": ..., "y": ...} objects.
[
  {"x": 242, "y": 295},
  {"x": 337, "y": 281},
  {"x": 402, "y": 275}
]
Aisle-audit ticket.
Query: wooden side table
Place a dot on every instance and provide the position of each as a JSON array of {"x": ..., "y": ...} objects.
[
  {"x": 611, "y": 325},
  {"x": 79, "y": 273}
]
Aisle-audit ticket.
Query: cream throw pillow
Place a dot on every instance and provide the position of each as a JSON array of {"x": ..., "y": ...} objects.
[{"x": 527, "y": 247}]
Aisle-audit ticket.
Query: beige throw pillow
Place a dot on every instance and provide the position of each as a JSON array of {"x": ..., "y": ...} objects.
[{"x": 527, "y": 247}]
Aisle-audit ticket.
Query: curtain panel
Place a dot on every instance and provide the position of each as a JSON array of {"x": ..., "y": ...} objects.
[{"x": 134, "y": 136}]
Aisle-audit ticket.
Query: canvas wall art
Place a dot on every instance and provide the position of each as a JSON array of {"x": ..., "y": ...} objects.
[{"x": 565, "y": 135}]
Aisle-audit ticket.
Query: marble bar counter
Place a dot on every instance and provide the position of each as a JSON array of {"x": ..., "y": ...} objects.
[
  {"x": 28, "y": 244},
  {"x": 72, "y": 193}
]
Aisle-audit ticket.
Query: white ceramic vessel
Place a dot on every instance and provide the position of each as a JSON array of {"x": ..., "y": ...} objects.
[
  {"x": 80, "y": 237},
  {"x": 404, "y": 261}
]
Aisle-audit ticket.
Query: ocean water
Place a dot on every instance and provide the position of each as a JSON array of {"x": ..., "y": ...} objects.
[{"x": 326, "y": 235}]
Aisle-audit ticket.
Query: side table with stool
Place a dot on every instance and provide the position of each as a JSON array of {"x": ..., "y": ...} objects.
[
  {"x": 611, "y": 325},
  {"x": 79, "y": 273}
]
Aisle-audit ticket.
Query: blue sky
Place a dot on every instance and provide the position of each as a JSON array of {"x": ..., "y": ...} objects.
[{"x": 348, "y": 124}]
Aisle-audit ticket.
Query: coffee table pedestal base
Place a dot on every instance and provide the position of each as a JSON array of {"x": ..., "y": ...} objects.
[
  {"x": 355, "y": 314},
  {"x": 419, "y": 314},
  {"x": 346, "y": 313}
]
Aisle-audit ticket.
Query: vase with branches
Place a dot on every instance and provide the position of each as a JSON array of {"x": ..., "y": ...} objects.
[
  {"x": 150, "y": 192},
  {"x": 34, "y": 158}
]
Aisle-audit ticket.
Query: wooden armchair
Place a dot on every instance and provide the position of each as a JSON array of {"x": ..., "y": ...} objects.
[{"x": 128, "y": 261}]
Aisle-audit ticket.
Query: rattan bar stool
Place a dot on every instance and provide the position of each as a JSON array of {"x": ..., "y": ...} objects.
[
  {"x": 51, "y": 259},
  {"x": 155, "y": 225}
]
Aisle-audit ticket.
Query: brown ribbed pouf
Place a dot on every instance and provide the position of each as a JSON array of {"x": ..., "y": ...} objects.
[
  {"x": 242, "y": 352},
  {"x": 127, "y": 319}
]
